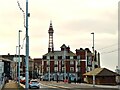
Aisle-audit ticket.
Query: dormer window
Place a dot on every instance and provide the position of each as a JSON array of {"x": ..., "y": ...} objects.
[{"x": 51, "y": 57}]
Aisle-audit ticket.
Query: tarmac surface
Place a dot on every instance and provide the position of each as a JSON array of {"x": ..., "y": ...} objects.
[{"x": 78, "y": 85}]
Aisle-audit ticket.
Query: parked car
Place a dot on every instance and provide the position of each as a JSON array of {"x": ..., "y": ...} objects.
[
  {"x": 34, "y": 84},
  {"x": 22, "y": 80}
]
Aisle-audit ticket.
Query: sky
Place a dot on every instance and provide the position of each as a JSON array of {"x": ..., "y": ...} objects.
[{"x": 73, "y": 22}]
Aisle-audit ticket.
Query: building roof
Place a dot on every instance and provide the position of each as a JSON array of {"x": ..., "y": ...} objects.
[
  {"x": 100, "y": 72},
  {"x": 59, "y": 53},
  {"x": 63, "y": 46}
]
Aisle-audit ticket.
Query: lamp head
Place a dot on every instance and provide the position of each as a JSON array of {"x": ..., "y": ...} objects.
[
  {"x": 20, "y": 30},
  {"x": 92, "y": 33}
]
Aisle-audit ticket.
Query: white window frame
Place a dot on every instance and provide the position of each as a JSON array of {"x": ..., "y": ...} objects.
[
  {"x": 47, "y": 69},
  {"x": 72, "y": 69},
  {"x": 63, "y": 68},
  {"x": 55, "y": 62},
  {"x": 47, "y": 62},
  {"x": 48, "y": 57},
  {"x": 78, "y": 62},
  {"x": 71, "y": 62},
  {"x": 63, "y": 62},
  {"x": 55, "y": 69},
  {"x": 71, "y": 57}
]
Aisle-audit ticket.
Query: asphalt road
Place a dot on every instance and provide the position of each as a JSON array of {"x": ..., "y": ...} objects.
[
  {"x": 71, "y": 87},
  {"x": 47, "y": 87},
  {"x": 50, "y": 87}
]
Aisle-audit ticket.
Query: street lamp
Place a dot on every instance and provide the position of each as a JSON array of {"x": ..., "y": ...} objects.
[
  {"x": 27, "y": 49},
  {"x": 93, "y": 62},
  {"x": 16, "y": 63},
  {"x": 19, "y": 58},
  {"x": 27, "y": 44}
]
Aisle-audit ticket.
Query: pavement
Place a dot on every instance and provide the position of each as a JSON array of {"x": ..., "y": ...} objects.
[{"x": 12, "y": 85}]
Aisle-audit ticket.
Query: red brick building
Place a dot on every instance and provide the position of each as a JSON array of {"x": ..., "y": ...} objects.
[
  {"x": 65, "y": 63},
  {"x": 38, "y": 67},
  {"x": 86, "y": 58}
]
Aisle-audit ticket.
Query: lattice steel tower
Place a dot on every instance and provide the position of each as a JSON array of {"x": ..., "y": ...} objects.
[{"x": 51, "y": 31}]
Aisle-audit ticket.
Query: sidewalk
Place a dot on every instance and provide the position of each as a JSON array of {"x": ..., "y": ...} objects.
[{"x": 11, "y": 85}]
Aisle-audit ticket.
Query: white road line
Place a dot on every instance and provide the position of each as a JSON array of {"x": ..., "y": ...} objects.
[{"x": 48, "y": 86}]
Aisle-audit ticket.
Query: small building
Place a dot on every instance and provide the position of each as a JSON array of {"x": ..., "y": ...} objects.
[
  {"x": 14, "y": 58},
  {"x": 38, "y": 68},
  {"x": 102, "y": 76}
]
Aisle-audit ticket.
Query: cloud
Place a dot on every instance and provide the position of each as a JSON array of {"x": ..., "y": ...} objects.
[{"x": 73, "y": 21}]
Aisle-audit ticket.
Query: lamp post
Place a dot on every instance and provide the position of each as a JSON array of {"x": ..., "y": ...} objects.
[
  {"x": 27, "y": 49},
  {"x": 19, "y": 59},
  {"x": 27, "y": 44},
  {"x": 93, "y": 62},
  {"x": 16, "y": 63}
]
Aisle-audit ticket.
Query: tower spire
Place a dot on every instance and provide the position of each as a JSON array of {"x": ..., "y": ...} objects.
[{"x": 50, "y": 31}]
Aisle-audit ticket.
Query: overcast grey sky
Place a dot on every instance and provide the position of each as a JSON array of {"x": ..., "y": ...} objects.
[{"x": 73, "y": 21}]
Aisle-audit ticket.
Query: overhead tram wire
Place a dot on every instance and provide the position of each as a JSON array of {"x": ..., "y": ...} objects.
[
  {"x": 106, "y": 47},
  {"x": 23, "y": 43},
  {"x": 109, "y": 51},
  {"x": 23, "y": 22},
  {"x": 115, "y": 50},
  {"x": 22, "y": 12}
]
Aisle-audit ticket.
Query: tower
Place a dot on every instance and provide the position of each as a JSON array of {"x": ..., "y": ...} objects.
[{"x": 50, "y": 31}]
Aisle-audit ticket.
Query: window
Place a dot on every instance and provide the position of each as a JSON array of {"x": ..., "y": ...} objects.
[
  {"x": 71, "y": 62},
  {"x": 75, "y": 57},
  {"x": 47, "y": 69},
  {"x": 55, "y": 62},
  {"x": 44, "y": 57},
  {"x": 67, "y": 57},
  {"x": 78, "y": 62},
  {"x": 63, "y": 62},
  {"x": 71, "y": 57},
  {"x": 48, "y": 62},
  {"x": 48, "y": 57},
  {"x": 72, "y": 69},
  {"x": 55, "y": 69},
  {"x": 51, "y": 57},
  {"x": 59, "y": 57},
  {"x": 78, "y": 70},
  {"x": 78, "y": 57},
  {"x": 63, "y": 69}
]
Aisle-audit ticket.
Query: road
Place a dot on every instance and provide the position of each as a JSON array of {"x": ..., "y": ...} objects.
[
  {"x": 65, "y": 86},
  {"x": 47, "y": 87},
  {"x": 50, "y": 87}
]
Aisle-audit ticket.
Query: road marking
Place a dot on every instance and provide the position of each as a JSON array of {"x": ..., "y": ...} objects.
[{"x": 48, "y": 86}]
